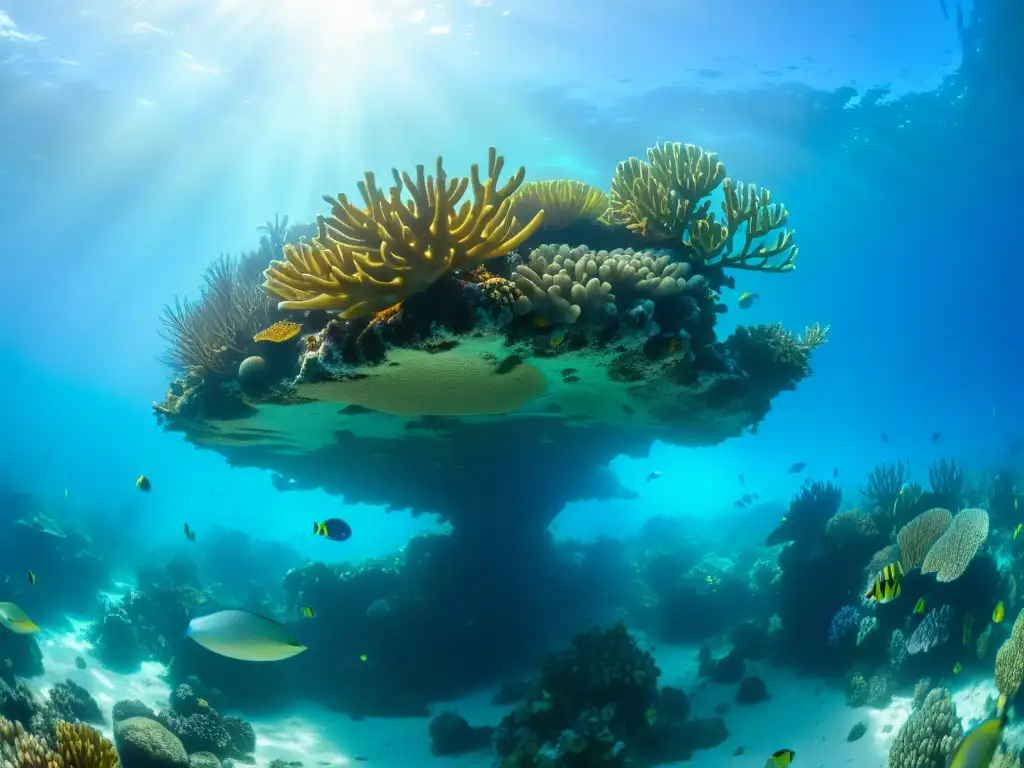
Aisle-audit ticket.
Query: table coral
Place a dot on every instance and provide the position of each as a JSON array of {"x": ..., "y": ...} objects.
[
  {"x": 949, "y": 557},
  {"x": 367, "y": 259}
]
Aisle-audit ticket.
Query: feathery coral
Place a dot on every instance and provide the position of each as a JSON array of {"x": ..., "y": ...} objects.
[
  {"x": 917, "y": 537},
  {"x": 564, "y": 202},
  {"x": 80, "y": 746},
  {"x": 951, "y": 554},
  {"x": 565, "y": 283},
  {"x": 367, "y": 259},
  {"x": 280, "y": 331}
]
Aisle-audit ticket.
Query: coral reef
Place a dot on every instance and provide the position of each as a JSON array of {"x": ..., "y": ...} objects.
[
  {"x": 917, "y": 536},
  {"x": 928, "y": 736},
  {"x": 145, "y": 743},
  {"x": 932, "y": 631},
  {"x": 951, "y": 554}
]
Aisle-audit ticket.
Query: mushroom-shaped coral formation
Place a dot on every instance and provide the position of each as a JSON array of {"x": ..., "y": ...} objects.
[
  {"x": 367, "y": 259},
  {"x": 917, "y": 536},
  {"x": 956, "y": 547},
  {"x": 928, "y": 736}
]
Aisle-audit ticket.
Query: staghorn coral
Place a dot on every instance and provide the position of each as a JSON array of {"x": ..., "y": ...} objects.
[
  {"x": 564, "y": 284},
  {"x": 366, "y": 259},
  {"x": 917, "y": 537},
  {"x": 214, "y": 333},
  {"x": 952, "y": 553},
  {"x": 80, "y": 746},
  {"x": 661, "y": 198},
  {"x": 884, "y": 485},
  {"x": 564, "y": 202},
  {"x": 752, "y": 210},
  {"x": 928, "y": 736},
  {"x": 1010, "y": 660}
]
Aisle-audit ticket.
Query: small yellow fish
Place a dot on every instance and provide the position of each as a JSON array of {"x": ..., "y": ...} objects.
[
  {"x": 143, "y": 484},
  {"x": 957, "y": 669},
  {"x": 998, "y": 612},
  {"x": 919, "y": 606},
  {"x": 307, "y": 612},
  {"x": 1020, "y": 526},
  {"x": 747, "y": 300},
  {"x": 886, "y": 586},
  {"x": 363, "y": 657},
  {"x": 202, "y": 703},
  {"x": 780, "y": 759},
  {"x": 1001, "y": 705},
  {"x": 32, "y": 579},
  {"x": 539, "y": 321}
]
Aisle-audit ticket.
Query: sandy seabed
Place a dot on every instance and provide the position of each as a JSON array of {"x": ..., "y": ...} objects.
[{"x": 806, "y": 715}]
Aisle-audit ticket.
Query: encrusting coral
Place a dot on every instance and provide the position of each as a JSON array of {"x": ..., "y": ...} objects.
[
  {"x": 367, "y": 259},
  {"x": 564, "y": 284},
  {"x": 928, "y": 736},
  {"x": 952, "y": 553}
]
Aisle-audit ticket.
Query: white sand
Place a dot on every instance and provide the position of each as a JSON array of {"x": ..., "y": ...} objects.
[{"x": 806, "y": 715}]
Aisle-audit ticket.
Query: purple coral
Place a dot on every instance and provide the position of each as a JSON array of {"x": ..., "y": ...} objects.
[
  {"x": 846, "y": 620},
  {"x": 933, "y": 631}
]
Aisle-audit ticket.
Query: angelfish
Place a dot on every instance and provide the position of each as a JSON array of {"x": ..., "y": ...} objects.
[{"x": 244, "y": 636}]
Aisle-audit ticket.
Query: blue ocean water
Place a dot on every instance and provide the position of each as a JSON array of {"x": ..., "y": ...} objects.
[{"x": 143, "y": 138}]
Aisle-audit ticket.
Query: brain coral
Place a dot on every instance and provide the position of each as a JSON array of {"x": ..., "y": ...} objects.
[
  {"x": 917, "y": 537},
  {"x": 929, "y": 734},
  {"x": 951, "y": 554}
]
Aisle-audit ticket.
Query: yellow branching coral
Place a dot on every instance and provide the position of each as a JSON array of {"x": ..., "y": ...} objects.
[
  {"x": 367, "y": 259},
  {"x": 282, "y": 330},
  {"x": 917, "y": 537},
  {"x": 20, "y": 749},
  {"x": 661, "y": 198},
  {"x": 80, "y": 746},
  {"x": 564, "y": 202}
]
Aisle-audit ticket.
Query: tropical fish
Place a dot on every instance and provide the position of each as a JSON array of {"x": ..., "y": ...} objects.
[
  {"x": 201, "y": 702},
  {"x": 307, "y": 612},
  {"x": 747, "y": 300},
  {"x": 978, "y": 746},
  {"x": 936, "y": 436},
  {"x": 1020, "y": 526},
  {"x": 651, "y": 715},
  {"x": 747, "y": 498},
  {"x": 903, "y": 492},
  {"x": 968, "y": 626},
  {"x": 143, "y": 484},
  {"x": 919, "y": 607},
  {"x": 957, "y": 668},
  {"x": 998, "y": 612},
  {"x": 363, "y": 657},
  {"x": 742, "y": 481},
  {"x": 32, "y": 578},
  {"x": 886, "y": 586},
  {"x": 797, "y": 468},
  {"x": 16, "y": 620},
  {"x": 653, "y": 476},
  {"x": 741, "y": 504},
  {"x": 1001, "y": 704},
  {"x": 780, "y": 759},
  {"x": 334, "y": 529},
  {"x": 190, "y": 534},
  {"x": 244, "y": 636}
]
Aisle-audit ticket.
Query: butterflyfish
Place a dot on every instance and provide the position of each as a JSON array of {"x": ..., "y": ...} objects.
[
  {"x": 143, "y": 484},
  {"x": 887, "y": 585},
  {"x": 334, "y": 529},
  {"x": 16, "y": 620},
  {"x": 998, "y": 612},
  {"x": 244, "y": 636},
  {"x": 979, "y": 745},
  {"x": 780, "y": 759}
]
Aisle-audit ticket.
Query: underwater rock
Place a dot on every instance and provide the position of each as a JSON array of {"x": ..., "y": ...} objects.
[
  {"x": 131, "y": 708},
  {"x": 243, "y": 737},
  {"x": 117, "y": 643},
  {"x": 18, "y": 703},
  {"x": 511, "y": 692},
  {"x": 144, "y": 743},
  {"x": 728, "y": 669},
  {"x": 673, "y": 703},
  {"x": 200, "y": 733},
  {"x": 451, "y": 734},
  {"x": 204, "y": 760},
  {"x": 857, "y": 731},
  {"x": 752, "y": 690},
  {"x": 21, "y": 654},
  {"x": 72, "y": 703},
  {"x": 79, "y": 662}
]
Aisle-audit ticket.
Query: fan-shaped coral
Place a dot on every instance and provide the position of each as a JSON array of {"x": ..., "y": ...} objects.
[
  {"x": 952, "y": 553},
  {"x": 367, "y": 259},
  {"x": 564, "y": 202},
  {"x": 917, "y": 537}
]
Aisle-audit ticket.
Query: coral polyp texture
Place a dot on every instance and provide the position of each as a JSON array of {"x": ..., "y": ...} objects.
[
  {"x": 416, "y": 342},
  {"x": 366, "y": 259}
]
